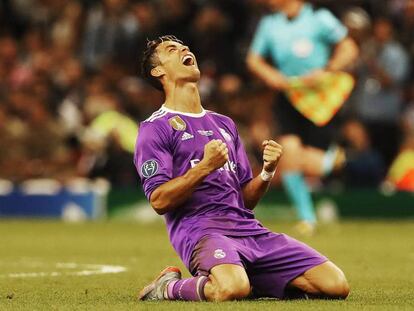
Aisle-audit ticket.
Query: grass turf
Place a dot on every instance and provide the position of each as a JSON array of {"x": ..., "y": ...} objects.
[{"x": 377, "y": 257}]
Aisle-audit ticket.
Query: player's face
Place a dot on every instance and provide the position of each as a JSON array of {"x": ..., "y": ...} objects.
[{"x": 177, "y": 63}]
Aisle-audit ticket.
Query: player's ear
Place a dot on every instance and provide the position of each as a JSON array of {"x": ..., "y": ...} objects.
[{"x": 157, "y": 72}]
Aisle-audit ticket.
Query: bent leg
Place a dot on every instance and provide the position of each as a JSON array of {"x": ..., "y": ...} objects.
[
  {"x": 218, "y": 269},
  {"x": 225, "y": 282},
  {"x": 313, "y": 161},
  {"x": 292, "y": 153},
  {"x": 308, "y": 160},
  {"x": 320, "y": 163},
  {"x": 293, "y": 180},
  {"x": 281, "y": 260},
  {"x": 323, "y": 281}
]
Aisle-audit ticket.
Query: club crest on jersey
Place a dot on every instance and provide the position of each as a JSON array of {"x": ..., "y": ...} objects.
[
  {"x": 177, "y": 123},
  {"x": 205, "y": 133},
  {"x": 149, "y": 168},
  {"x": 226, "y": 135},
  {"x": 219, "y": 254}
]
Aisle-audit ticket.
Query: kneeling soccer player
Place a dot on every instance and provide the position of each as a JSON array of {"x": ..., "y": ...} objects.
[{"x": 194, "y": 171}]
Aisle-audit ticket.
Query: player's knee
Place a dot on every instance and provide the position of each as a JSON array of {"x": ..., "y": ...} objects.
[
  {"x": 236, "y": 289},
  {"x": 342, "y": 289},
  {"x": 233, "y": 293},
  {"x": 337, "y": 287},
  {"x": 242, "y": 290}
]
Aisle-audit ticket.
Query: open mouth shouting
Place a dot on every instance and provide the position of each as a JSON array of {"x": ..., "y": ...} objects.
[{"x": 188, "y": 59}]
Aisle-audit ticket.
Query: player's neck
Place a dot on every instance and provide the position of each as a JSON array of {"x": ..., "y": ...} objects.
[
  {"x": 293, "y": 8},
  {"x": 183, "y": 98}
]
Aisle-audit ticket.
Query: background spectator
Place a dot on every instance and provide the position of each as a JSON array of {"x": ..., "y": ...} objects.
[
  {"x": 56, "y": 57},
  {"x": 382, "y": 73}
]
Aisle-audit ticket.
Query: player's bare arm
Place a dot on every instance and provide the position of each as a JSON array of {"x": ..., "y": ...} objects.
[
  {"x": 272, "y": 77},
  {"x": 173, "y": 193},
  {"x": 344, "y": 54},
  {"x": 257, "y": 187}
]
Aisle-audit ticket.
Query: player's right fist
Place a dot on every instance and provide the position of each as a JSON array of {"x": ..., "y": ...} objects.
[{"x": 216, "y": 154}]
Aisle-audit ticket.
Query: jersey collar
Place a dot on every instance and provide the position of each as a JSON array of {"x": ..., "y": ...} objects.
[
  {"x": 188, "y": 114},
  {"x": 305, "y": 10}
]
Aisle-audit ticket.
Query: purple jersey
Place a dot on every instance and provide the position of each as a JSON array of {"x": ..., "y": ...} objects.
[{"x": 168, "y": 145}]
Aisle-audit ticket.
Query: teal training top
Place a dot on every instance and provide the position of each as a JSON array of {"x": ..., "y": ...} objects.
[{"x": 299, "y": 45}]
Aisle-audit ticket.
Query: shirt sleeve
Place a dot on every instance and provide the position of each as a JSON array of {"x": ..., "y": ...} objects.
[
  {"x": 260, "y": 44},
  {"x": 153, "y": 157},
  {"x": 331, "y": 29},
  {"x": 244, "y": 170}
]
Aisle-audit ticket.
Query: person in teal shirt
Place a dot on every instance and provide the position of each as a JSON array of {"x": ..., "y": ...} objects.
[{"x": 301, "y": 42}]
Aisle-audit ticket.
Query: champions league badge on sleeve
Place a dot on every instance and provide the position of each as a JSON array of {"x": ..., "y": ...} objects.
[
  {"x": 149, "y": 168},
  {"x": 177, "y": 123}
]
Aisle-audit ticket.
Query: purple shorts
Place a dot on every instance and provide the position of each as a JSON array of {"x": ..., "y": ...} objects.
[{"x": 271, "y": 260}]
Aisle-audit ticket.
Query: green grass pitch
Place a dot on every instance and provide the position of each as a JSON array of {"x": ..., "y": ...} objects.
[{"x": 377, "y": 257}]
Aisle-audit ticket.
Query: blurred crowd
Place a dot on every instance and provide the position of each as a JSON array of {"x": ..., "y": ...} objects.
[{"x": 65, "y": 63}]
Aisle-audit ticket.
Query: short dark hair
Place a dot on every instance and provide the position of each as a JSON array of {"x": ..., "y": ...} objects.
[{"x": 150, "y": 59}]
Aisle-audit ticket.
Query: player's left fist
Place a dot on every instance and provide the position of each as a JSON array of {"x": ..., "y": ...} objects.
[{"x": 272, "y": 152}]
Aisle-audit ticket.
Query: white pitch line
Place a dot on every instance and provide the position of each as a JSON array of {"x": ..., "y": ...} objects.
[{"x": 89, "y": 269}]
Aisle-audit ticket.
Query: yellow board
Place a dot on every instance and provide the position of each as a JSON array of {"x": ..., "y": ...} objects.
[
  {"x": 401, "y": 172},
  {"x": 321, "y": 102}
]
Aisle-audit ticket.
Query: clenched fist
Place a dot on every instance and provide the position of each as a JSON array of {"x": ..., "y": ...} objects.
[
  {"x": 216, "y": 154},
  {"x": 272, "y": 152}
]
